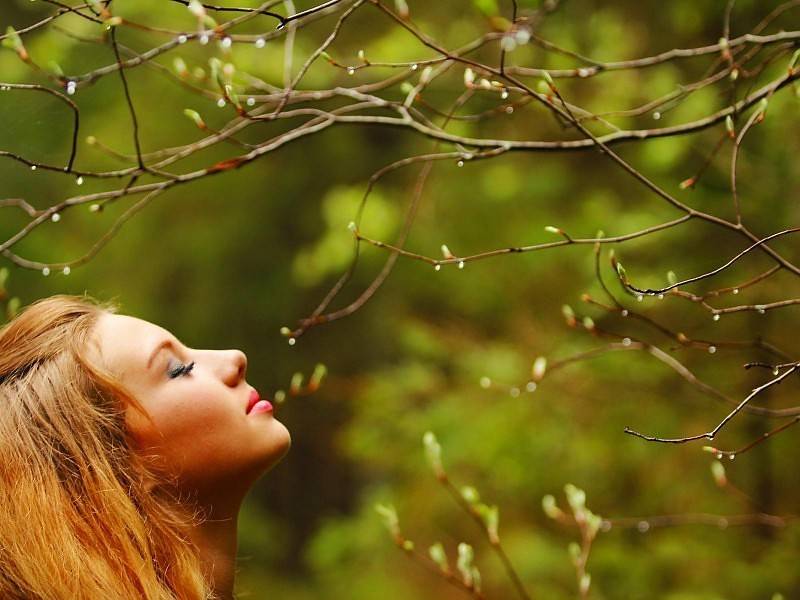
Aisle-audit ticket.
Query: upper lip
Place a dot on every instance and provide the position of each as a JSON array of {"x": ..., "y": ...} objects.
[{"x": 252, "y": 400}]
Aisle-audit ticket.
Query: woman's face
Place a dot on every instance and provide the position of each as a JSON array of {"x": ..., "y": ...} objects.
[{"x": 200, "y": 428}]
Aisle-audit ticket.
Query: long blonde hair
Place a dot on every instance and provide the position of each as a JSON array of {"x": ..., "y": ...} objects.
[{"x": 81, "y": 514}]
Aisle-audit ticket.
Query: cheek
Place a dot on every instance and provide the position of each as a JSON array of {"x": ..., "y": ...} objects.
[{"x": 187, "y": 425}]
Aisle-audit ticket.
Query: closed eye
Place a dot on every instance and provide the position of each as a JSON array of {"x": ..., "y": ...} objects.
[{"x": 180, "y": 369}]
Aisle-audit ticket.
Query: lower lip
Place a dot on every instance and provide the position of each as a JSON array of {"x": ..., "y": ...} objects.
[{"x": 262, "y": 406}]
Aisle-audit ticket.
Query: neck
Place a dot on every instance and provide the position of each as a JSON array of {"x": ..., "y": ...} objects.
[{"x": 216, "y": 539}]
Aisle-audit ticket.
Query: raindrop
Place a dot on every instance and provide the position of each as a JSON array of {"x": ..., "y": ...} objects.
[
  {"x": 226, "y": 42},
  {"x": 624, "y": 312},
  {"x": 46, "y": 271},
  {"x": 760, "y": 310},
  {"x": 251, "y": 101},
  {"x": 221, "y": 102},
  {"x": 736, "y": 290},
  {"x": 712, "y": 349},
  {"x": 33, "y": 167},
  {"x": 486, "y": 383},
  {"x": 626, "y": 341},
  {"x": 656, "y": 115},
  {"x": 661, "y": 296},
  {"x": 79, "y": 180},
  {"x": 461, "y": 264},
  {"x": 514, "y": 391},
  {"x": 460, "y": 163},
  {"x": 71, "y": 86},
  {"x": 182, "y": 39},
  {"x": 732, "y": 456},
  {"x": 292, "y": 341},
  {"x": 55, "y": 217},
  {"x": 260, "y": 43},
  {"x": 437, "y": 267},
  {"x": 351, "y": 71},
  {"x": 719, "y": 455},
  {"x": 509, "y": 109},
  {"x": 775, "y": 371},
  {"x": 504, "y": 94},
  {"x": 715, "y": 317},
  {"x": 530, "y": 386},
  {"x": 643, "y": 526},
  {"x": 67, "y": 271},
  {"x": 203, "y": 39},
  {"x": 584, "y": 72},
  {"x": 639, "y": 298},
  {"x": 414, "y": 67}
]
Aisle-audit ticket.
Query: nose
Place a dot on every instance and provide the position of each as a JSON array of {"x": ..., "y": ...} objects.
[{"x": 235, "y": 367}]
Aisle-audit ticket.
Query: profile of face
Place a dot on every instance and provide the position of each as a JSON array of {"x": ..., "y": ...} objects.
[{"x": 204, "y": 428}]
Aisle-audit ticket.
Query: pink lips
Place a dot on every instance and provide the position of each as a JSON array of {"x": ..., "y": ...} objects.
[{"x": 257, "y": 405}]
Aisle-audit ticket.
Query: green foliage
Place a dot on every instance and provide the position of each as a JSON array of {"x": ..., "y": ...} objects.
[{"x": 230, "y": 260}]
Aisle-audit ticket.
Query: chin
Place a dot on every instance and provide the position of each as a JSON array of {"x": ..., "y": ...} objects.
[{"x": 280, "y": 440}]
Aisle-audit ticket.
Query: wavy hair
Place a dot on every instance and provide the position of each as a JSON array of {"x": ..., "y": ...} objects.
[{"x": 82, "y": 515}]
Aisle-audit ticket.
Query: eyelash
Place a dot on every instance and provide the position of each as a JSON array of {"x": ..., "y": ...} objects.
[{"x": 181, "y": 369}]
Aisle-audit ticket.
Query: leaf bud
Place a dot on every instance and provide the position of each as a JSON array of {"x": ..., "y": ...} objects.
[
  {"x": 296, "y": 383},
  {"x": 390, "y": 520},
  {"x": 550, "y": 507},
  {"x": 569, "y": 314},
  {"x": 469, "y": 77},
  {"x": 320, "y": 371},
  {"x": 538, "y": 368},
  {"x": 438, "y": 555},
  {"x": 470, "y": 494},
  {"x": 718, "y": 472},
  {"x": 464, "y": 563},
  {"x": 195, "y": 116},
  {"x": 433, "y": 451}
]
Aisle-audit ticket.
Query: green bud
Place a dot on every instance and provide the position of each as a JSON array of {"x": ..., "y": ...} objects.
[
  {"x": 320, "y": 371},
  {"x": 672, "y": 278},
  {"x": 550, "y": 507},
  {"x": 464, "y": 563},
  {"x": 297, "y": 383},
  {"x": 180, "y": 66},
  {"x": 470, "y": 494},
  {"x": 718, "y": 472},
  {"x": 433, "y": 451},
  {"x": 543, "y": 88},
  {"x": 574, "y": 552},
  {"x": 195, "y": 116},
  {"x": 196, "y": 8},
  {"x": 438, "y": 555},
  {"x": 586, "y": 581},
  {"x": 490, "y": 515},
  {"x": 390, "y": 520},
  {"x": 593, "y": 523},
  {"x": 576, "y": 498},
  {"x": 538, "y": 368}
]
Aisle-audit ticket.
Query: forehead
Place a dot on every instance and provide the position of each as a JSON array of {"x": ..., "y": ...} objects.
[{"x": 125, "y": 343}]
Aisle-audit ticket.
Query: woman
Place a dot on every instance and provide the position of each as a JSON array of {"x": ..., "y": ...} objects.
[{"x": 124, "y": 457}]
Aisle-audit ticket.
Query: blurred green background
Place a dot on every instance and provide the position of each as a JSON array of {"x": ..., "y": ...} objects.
[{"x": 224, "y": 263}]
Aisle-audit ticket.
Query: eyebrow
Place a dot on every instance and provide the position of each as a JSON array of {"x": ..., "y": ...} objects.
[{"x": 161, "y": 346}]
